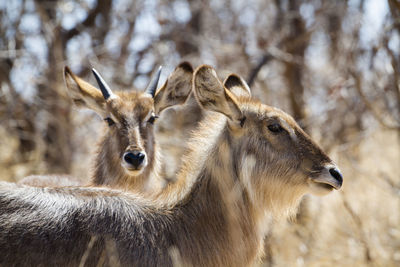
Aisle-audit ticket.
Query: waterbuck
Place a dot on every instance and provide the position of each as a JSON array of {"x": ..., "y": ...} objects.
[
  {"x": 127, "y": 154},
  {"x": 181, "y": 122},
  {"x": 245, "y": 161}
]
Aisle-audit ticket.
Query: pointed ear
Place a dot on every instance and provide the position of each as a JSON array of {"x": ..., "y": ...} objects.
[
  {"x": 237, "y": 85},
  {"x": 176, "y": 89},
  {"x": 211, "y": 94},
  {"x": 84, "y": 94}
]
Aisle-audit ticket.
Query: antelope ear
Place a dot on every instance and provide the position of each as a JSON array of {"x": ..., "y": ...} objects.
[
  {"x": 176, "y": 88},
  {"x": 237, "y": 85},
  {"x": 212, "y": 95},
  {"x": 84, "y": 94}
]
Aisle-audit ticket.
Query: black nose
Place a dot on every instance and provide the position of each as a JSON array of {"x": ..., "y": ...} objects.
[
  {"x": 134, "y": 158},
  {"x": 337, "y": 175}
]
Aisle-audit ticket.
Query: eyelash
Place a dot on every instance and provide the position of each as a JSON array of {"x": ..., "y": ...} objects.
[
  {"x": 275, "y": 128},
  {"x": 152, "y": 119},
  {"x": 109, "y": 121}
]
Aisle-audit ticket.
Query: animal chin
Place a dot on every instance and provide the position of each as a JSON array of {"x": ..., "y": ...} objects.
[
  {"x": 326, "y": 186},
  {"x": 133, "y": 171},
  {"x": 320, "y": 189}
]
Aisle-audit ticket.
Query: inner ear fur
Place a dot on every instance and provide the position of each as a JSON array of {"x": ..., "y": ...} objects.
[
  {"x": 237, "y": 85},
  {"x": 84, "y": 94},
  {"x": 176, "y": 88},
  {"x": 212, "y": 95}
]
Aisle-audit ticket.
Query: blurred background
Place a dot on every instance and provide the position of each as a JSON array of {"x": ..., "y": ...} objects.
[{"x": 333, "y": 65}]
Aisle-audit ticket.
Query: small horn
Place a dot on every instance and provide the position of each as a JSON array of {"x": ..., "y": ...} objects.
[
  {"x": 105, "y": 89},
  {"x": 152, "y": 87}
]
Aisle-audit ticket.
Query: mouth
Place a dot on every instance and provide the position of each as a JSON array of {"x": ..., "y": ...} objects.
[
  {"x": 320, "y": 189},
  {"x": 324, "y": 182},
  {"x": 328, "y": 178},
  {"x": 132, "y": 170},
  {"x": 326, "y": 186},
  {"x": 327, "y": 182}
]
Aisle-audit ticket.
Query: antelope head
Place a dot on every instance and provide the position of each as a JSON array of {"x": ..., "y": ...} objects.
[
  {"x": 276, "y": 161},
  {"x": 129, "y": 142}
]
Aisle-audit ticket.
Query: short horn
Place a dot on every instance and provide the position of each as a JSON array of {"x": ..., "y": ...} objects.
[
  {"x": 152, "y": 87},
  {"x": 105, "y": 89}
]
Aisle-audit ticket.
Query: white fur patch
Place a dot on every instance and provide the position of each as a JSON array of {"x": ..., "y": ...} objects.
[
  {"x": 248, "y": 165},
  {"x": 112, "y": 117},
  {"x": 289, "y": 129},
  {"x": 214, "y": 73},
  {"x": 246, "y": 86},
  {"x": 147, "y": 95},
  {"x": 112, "y": 96},
  {"x": 272, "y": 114},
  {"x": 135, "y": 138}
]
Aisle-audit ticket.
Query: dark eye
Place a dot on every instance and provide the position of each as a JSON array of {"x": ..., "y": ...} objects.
[
  {"x": 275, "y": 128},
  {"x": 152, "y": 119},
  {"x": 109, "y": 121}
]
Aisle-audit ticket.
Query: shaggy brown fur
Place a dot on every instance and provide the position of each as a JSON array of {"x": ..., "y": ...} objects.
[
  {"x": 179, "y": 123},
  {"x": 132, "y": 114},
  {"x": 55, "y": 180},
  {"x": 238, "y": 169}
]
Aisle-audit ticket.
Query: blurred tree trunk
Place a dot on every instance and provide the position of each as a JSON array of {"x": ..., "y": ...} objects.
[
  {"x": 20, "y": 116},
  {"x": 296, "y": 44},
  {"x": 57, "y": 132}
]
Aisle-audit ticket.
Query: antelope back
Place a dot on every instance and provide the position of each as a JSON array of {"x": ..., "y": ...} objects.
[{"x": 51, "y": 180}]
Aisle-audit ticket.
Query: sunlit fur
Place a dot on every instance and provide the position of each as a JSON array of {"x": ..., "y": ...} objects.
[
  {"x": 130, "y": 111},
  {"x": 51, "y": 180},
  {"x": 131, "y": 131},
  {"x": 214, "y": 215}
]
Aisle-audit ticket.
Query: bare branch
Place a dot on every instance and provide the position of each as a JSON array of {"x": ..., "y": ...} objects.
[
  {"x": 368, "y": 104},
  {"x": 254, "y": 72},
  {"x": 357, "y": 220}
]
